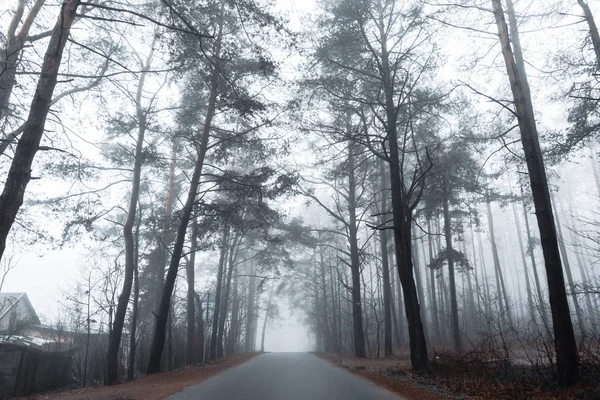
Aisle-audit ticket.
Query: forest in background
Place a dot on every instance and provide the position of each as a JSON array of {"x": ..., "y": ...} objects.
[{"x": 411, "y": 176}]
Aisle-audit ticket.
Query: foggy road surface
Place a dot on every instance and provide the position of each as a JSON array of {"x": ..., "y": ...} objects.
[{"x": 285, "y": 376}]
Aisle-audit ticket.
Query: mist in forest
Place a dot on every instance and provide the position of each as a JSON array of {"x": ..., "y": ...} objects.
[{"x": 397, "y": 185}]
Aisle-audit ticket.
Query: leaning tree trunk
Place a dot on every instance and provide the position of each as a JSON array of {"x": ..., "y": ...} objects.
[
  {"x": 567, "y": 359},
  {"x": 19, "y": 173},
  {"x": 158, "y": 339},
  {"x": 114, "y": 340}
]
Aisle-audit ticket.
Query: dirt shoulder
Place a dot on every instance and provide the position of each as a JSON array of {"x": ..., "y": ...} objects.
[
  {"x": 466, "y": 378},
  {"x": 152, "y": 387},
  {"x": 389, "y": 373}
]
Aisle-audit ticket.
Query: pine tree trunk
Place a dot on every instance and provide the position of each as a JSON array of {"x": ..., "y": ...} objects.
[
  {"x": 226, "y": 292},
  {"x": 169, "y": 355},
  {"x": 530, "y": 249},
  {"x": 585, "y": 280},
  {"x": 318, "y": 308},
  {"x": 456, "y": 335},
  {"x": 418, "y": 280},
  {"x": 114, "y": 341},
  {"x": 469, "y": 311},
  {"x": 418, "y": 345},
  {"x": 158, "y": 339},
  {"x": 564, "y": 336},
  {"x": 214, "y": 335},
  {"x": 486, "y": 285},
  {"x": 250, "y": 310},
  {"x": 368, "y": 351},
  {"x": 426, "y": 303},
  {"x": 340, "y": 322},
  {"x": 235, "y": 311},
  {"x": 191, "y": 344},
  {"x": 395, "y": 323},
  {"x": 200, "y": 340},
  {"x": 328, "y": 338},
  {"x": 383, "y": 241},
  {"x": 401, "y": 313},
  {"x": 267, "y": 312},
  {"x": 501, "y": 287},
  {"x": 136, "y": 296},
  {"x": 581, "y": 266},
  {"x": 475, "y": 274},
  {"x": 442, "y": 288},
  {"x": 357, "y": 316},
  {"x": 165, "y": 236},
  {"x": 530, "y": 305},
  {"x": 433, "y": 296},
  {"x": 254, "y": 333},
  {"x": 335, "y": 311},
  {"x": 567, "y": 264},
  {"x": 402, "y": 221}
]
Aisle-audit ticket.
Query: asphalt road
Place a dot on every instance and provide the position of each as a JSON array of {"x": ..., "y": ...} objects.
[{"x": 285, "y": 376}]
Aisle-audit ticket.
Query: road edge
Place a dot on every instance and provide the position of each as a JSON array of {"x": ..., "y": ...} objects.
[{"x": 402, "y": 385}]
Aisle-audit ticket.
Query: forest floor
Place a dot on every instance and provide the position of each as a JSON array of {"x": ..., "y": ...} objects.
[
  {"x": 453, "y": 377},
  {"x": 474, "y": 377},
  {"x": 152, "y": 387},
  {"x": 392, "y": 374}
]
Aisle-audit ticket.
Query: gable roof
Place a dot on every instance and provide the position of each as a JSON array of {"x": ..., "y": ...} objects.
[{"x": 9, "y": 300}]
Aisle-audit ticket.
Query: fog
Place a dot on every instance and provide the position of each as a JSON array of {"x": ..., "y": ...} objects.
[{"x": 376, "y": 181}]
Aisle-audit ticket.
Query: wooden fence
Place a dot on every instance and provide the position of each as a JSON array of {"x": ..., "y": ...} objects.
[{"x": 25, "y": 370}]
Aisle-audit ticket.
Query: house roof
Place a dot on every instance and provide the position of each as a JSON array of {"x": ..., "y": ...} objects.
[{"x": 9, "y": 300}]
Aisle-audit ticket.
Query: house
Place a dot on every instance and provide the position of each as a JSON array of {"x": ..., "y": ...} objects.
[
  {"x": 20, "y": 325},
  {"x": 16, "y": 313},
  {"x": 31, "y": 359}
]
